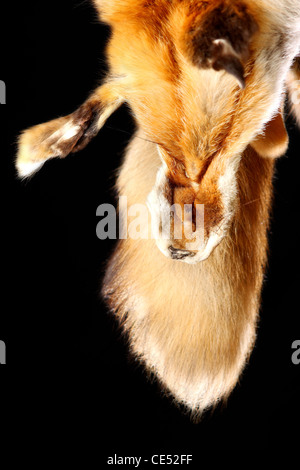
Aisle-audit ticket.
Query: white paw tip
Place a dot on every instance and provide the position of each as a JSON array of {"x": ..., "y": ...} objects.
[{"x": 26, "y": 169}]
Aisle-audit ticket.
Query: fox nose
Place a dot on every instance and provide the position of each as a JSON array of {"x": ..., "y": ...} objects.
[{"x": 180, "y": 254}]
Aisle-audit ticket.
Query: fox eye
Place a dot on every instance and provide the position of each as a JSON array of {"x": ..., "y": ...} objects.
[{"x": 186, "y": 174}]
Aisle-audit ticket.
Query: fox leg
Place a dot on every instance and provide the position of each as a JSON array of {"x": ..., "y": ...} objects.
[{"x": 68, "y": 134}]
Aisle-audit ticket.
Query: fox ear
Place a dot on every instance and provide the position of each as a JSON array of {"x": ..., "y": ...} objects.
[
  {"x": 273, "y": 143},
  {"x": 65, "y": 135},
  {"x": 218, "y": 36}
]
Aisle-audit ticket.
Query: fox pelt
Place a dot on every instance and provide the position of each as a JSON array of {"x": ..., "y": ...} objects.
[{"x": 206, "y": 83}]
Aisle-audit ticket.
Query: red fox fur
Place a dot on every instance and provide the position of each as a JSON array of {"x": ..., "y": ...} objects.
[{"x": 206, "y": 82}]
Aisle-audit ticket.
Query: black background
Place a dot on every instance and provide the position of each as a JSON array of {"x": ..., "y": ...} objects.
[{"x": 53, "y": 320}]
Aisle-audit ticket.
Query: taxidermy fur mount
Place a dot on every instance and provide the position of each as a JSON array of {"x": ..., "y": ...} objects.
[{"x": 206, "y": 81}]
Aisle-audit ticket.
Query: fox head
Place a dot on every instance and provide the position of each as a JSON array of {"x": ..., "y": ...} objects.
[{"x": 204, "y": 79}]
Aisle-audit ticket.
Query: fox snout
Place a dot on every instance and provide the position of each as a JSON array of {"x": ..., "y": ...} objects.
[
  {"x": 188, "y": 222},
  {"x": 176, "y": 253}
]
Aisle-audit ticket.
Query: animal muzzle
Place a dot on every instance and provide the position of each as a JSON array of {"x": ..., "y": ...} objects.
[
  {"x": 180, "y": 230},
  {"x": 179, "y": 254}
]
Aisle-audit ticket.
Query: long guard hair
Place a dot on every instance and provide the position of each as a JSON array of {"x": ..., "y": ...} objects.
[{"x": 206, "y": 82}]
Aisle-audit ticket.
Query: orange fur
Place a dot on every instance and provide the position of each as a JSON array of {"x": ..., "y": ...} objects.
[
  {"x": 205, "y": 81},
  {"x": 294, "y": 88},
  {"x": 193, "y": 326},
  {"x": 274, "y": 141}
]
